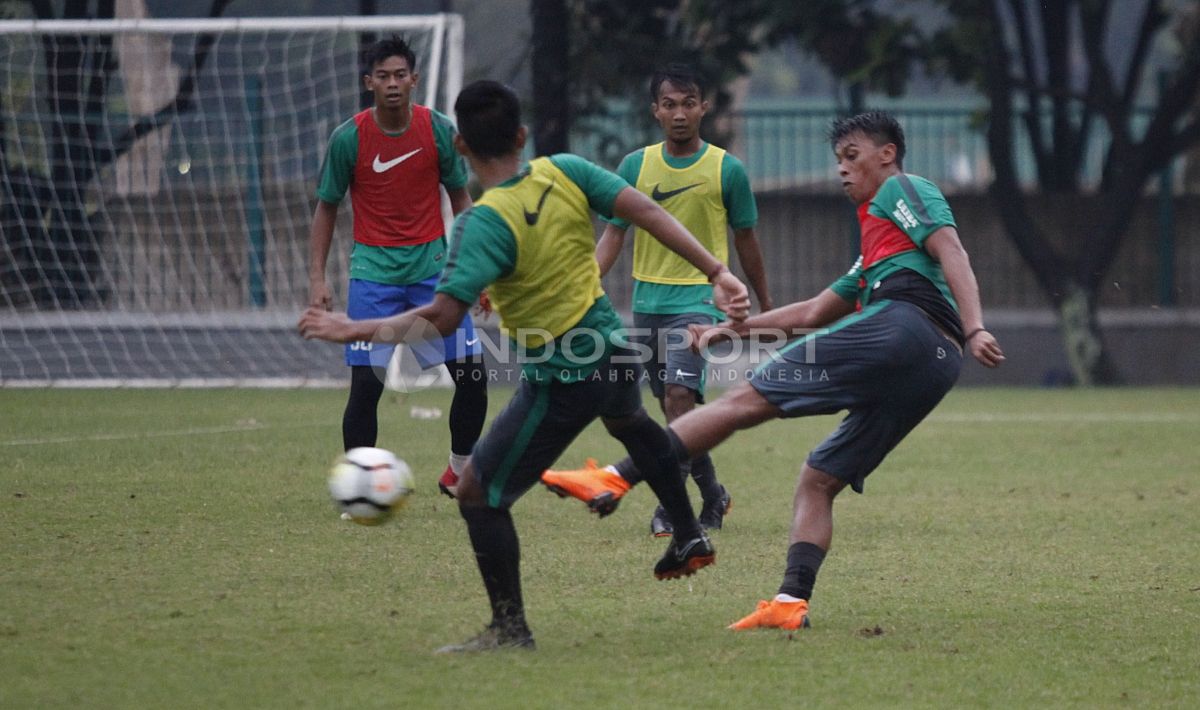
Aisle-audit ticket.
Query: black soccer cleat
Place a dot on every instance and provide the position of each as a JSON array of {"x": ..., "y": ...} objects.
[
  {"x": 682, "y": 559},
  {"x": 660, "y": 524},
  {"x": 494, "y": 638},
  {"x": 713, "y": 513}
]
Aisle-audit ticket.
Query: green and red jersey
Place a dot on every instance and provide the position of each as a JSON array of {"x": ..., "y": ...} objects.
[
  {"x": 893, "y": 263},
  {"x": 393, "y": 183}
]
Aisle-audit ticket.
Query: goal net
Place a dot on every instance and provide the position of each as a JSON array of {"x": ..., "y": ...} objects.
[{"x": 157, "y": 184}]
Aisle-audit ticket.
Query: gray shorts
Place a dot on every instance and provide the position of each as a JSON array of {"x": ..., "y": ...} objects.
[
  {"x": 671, "y": 361},
  {"x": 889, "y": 365}
]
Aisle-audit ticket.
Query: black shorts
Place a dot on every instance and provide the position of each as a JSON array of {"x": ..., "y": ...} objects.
[
  {"x": 889, "y": 365},
  {"x": 541, "y": 421}
]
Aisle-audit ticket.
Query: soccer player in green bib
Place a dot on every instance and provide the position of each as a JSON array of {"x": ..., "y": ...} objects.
[
  {"x": 529, "y": 241},
  {"x": 707, "y": 190},
  {"x": 885, "y": 342}
]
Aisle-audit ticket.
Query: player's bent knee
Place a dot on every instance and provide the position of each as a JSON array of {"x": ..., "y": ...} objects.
[
  {"x": 617, "y": 425},
  {"x": 816, "y": 481}
]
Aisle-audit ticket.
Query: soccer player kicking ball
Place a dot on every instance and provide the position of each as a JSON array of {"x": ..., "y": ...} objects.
[
  {"x": 890, "y": 343},
  {"x": 529, "y": 241},
  {"x": 708, "y": 191},
  {"x": 392, "y": 157}
]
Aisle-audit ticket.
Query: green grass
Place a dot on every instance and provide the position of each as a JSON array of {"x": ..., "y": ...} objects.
[{"x": 178, "y": 549}]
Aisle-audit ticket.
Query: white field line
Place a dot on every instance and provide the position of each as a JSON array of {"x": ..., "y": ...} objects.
[
  {"x": 1066, "y": 418},
  {"x": 193, "y": 431}
]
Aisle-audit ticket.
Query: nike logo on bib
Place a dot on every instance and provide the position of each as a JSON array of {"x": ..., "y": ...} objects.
[
  {"x": 659, "y": 195},
  {"x": 531, "y": 218},
  {"x": 382, "y": 167}
]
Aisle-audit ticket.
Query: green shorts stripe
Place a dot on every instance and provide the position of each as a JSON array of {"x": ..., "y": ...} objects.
[{"x": 537, "y": 413}]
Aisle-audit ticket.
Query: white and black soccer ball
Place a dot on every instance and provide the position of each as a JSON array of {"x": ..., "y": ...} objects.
[{"x": 369, "y": 485}]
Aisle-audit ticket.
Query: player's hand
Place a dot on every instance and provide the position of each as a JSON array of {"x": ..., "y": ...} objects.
[
  {"x": 485, "y": 305},
  {"x": 702, "y": 335},
  {"x": 319, "y": 295},
  {"x": 985, "y": 349},
  {"x": 321, "y": 324},
  {"x": 731, "y": 296}
]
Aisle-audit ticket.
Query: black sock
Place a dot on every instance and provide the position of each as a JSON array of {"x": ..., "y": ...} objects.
[
  {"x": 705, "y": 477},
  {"x": 468, "y": 409},
  {"x": 360, "y": 423},
  {"x": 803, "y": 561},
  {"x": 628, "y": 471},
  {"x": 498, "y": 554},
  {"x": 650, "y": 448}
]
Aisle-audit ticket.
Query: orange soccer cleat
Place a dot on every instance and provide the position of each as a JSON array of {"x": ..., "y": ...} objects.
[
  {"x": 775, "y": 614},
  {"x": 599, "y": 487}
]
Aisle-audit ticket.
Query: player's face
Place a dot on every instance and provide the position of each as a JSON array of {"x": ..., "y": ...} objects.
[
  {"x": 392, "y": 82},
  {"x": 678, "y": 111},
  {"x": 862, "y": 165}
]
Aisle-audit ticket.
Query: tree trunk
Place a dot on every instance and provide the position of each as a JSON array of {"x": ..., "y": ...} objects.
[
  {"x": 1084, "y": 343},
  {"x": 551, "y": 87}
]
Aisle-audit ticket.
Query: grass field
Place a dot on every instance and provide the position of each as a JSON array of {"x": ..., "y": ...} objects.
[{"x": 177, "y": 549}]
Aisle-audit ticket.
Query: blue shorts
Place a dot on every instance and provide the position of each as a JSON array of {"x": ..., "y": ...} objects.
[
  {"x": 370, "y": 299},
  {"x": 889, "y": 365}
]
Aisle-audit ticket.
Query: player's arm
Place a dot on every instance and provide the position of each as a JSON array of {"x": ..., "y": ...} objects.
[
  {"x": 436, "y": 319},
  {"x": 337, "y": 171},
  {"x": 791, "y": 320},
  {"x": 745, "y": 241},
  {"x": 944, "y": 246},
  {"x": 612, "y": 240},
  {"x": 320, "y": 236},
  {"x": 729, "y": 293},
  {"x": 460, "y": 200}
]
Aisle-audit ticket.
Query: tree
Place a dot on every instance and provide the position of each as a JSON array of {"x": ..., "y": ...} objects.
[
  {"x": 50, "y": 230},
  {"x": 1055, "y": 68},
  {"x": 551, "y": 84}
]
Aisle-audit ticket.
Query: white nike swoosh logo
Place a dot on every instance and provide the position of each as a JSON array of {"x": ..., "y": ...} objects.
[
  {"x": 472, "y": 342},
  {"x": 381, "y": 167},
  {"x": 681, "y": 373}
]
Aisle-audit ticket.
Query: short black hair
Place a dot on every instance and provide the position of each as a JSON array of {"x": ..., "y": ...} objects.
[
  {"x": 489, "y": 118},
  {"x": 880, "y": 126},
  {"x": 682, "y": 76},
  {"x": 393, "y": 46}
]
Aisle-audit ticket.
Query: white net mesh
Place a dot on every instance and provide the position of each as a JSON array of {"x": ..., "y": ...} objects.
[{"x": 156, "y": 191}]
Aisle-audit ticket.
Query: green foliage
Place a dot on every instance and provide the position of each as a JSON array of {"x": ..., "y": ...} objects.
[{"x": 178, "y": 549}]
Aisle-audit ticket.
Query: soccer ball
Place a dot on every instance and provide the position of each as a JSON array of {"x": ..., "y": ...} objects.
[{"x": 368, "y": 485}]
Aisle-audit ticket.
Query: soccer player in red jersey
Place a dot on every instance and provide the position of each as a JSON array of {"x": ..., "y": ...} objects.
[
  {"x": 392, "y": 158},
  {"x": 886, "y": 344}
]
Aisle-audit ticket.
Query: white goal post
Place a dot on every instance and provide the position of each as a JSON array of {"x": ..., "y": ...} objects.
[{"x": 157, "y": 183}]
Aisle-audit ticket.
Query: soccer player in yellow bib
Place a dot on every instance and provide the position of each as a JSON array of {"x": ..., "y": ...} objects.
[
  {"x": 706, "y": 189},
  {"x": 529, "y": 241}
]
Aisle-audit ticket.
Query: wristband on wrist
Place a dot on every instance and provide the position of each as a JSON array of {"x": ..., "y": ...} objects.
[
  {"x": 721, "y": 268},
  {"x": 973, "y": 333}
]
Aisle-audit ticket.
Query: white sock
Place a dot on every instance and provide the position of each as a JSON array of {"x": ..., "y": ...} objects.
[
  {"x": 787, "y": 598},
  {"x": 458, "y": 462}
]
